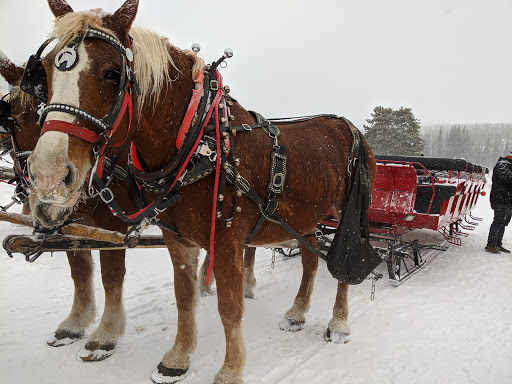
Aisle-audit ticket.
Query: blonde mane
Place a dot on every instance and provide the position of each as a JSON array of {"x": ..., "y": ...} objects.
[
  {"x": 152, "y": 59},
  {"x": 24, "y": 99}
]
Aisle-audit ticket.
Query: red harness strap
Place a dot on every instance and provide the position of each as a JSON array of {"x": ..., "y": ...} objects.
[
  {"x": 127, "y": 102},
  {"x": 215, "y": 106},
  {"x": 90, "y": 136},
  {"x": 191, "y": 110},
  {"x": 70, "y": 129}
]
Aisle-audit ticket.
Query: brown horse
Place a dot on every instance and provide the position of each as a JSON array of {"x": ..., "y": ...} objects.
[
  {"x": 101, "y": 342},
  {"x": 87, "y": 75},
  {"x": 12, "y": 74}
]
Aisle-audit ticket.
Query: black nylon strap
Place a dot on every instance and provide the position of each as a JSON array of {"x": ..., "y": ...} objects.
[{"x": 268, "y": 213}]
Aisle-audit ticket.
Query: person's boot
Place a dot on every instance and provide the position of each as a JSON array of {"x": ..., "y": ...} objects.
[
  {"x": 491, "y": 249},
  {"x": 504, "y": 250}
]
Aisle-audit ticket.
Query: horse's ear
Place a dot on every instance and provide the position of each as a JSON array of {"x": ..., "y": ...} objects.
[
  {"x": 10, "y": 71},
  {"x": 59, "y": 7},
  {"x": 121, "y": 21}
]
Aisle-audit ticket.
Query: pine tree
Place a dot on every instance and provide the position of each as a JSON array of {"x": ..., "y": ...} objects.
[
  {"x": 488, "y": 157},
  {"x": 467, "y": 146},
  {"x": 394, "y": 132},
  {"x": 440, "y": 151}
]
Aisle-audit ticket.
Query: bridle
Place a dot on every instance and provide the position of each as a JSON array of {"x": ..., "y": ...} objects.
[{"x": 34, "y": 82}]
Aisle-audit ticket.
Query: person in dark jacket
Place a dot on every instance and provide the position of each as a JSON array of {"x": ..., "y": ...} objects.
[{"x": 501, "y": 203}]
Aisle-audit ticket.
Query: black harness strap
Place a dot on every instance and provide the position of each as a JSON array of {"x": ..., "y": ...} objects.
[
  {"x": 268, "y": 212},
  {"x": 6, "y": 121},
  {"x": 268, "y": 208}
]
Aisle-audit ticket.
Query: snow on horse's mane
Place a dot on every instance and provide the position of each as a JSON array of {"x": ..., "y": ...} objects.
[
  {"x": 3, "y": 57},
  {"x": 152, "y": 60}
]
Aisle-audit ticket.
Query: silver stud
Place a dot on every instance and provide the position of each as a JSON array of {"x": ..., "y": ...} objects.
[
  {"x": 228, "y": 52},
  {"x": 196, "y": 47}
]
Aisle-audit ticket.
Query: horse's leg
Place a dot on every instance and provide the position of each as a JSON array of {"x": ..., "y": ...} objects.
[
  {"x": 176, "y": 361},
  {"x": 249, "y": 279},
  {"x": 102, "y": 341},
  {"x": 83, "y": 310},
  {"x": 228, "y": 268},
  {"x": 295, "y": 316},
  {"x": 338, "y": 329},
  {"x": 205, "y": 289}
]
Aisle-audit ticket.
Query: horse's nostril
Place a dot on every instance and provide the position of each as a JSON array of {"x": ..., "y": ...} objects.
[{"x": 70, "y": 176}]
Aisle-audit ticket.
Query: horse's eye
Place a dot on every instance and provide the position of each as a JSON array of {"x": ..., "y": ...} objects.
[{"x": 113, "y": 75}]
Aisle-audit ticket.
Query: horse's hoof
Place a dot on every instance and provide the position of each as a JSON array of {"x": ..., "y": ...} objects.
[
  {"x": 164, "y": 375},
  {"x": 225, "y": 377},
  {"x": 337, "y": 337},
  {"x": 95, "y": 351},
  {"x": 291, "y": 325},
  {"x": 63, "y": 337}
]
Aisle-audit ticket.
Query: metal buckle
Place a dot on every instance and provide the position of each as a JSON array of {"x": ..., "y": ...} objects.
[
  {"x": 204, "y": 150},
  {"x": 247, "y": 127},
  {"x": 107, "y": 199},
  {"x": 278, "y": 180},
  {"x": 214, "y": 85}
]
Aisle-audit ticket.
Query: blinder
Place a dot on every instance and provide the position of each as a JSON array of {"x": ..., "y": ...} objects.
[
  {"x": 34, "y": 80},
  {"x": 67, "y": 58},
  {"x": 6, "y": 122}
]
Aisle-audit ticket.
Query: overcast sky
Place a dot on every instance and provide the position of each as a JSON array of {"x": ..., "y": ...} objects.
[{"x": 448, "y": 60}]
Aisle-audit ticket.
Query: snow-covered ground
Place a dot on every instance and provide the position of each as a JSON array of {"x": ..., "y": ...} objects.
[{"x": 450, "y": 323}]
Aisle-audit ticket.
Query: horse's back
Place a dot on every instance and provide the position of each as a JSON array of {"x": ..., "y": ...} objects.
[{"x": 316, "y": 151}]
